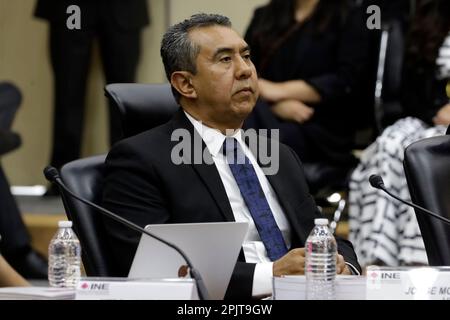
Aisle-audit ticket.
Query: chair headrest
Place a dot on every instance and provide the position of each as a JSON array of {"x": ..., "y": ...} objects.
[
  {"x": 142, "y": 106},
  {"x": 9, "y": 141}
]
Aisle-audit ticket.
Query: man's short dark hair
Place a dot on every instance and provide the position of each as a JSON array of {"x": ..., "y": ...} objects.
[{"x": 178, "y": 52}]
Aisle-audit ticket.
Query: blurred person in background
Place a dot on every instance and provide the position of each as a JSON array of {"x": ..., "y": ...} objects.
[
  {"x": 310, "y": 56},
  {"x": 16, "y": 244},
  {"x": 384, "y": 231},
  {"x": 117, "y": 25}
]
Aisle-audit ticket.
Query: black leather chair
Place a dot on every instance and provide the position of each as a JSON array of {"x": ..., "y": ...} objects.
[
  {"x": 427, "y": 169},
  {"x": 387, "y": 102},
  {"x": 142, "y": 106},
  {"x": 85, "y": 177},
  {"x": 10, "y": 99}
]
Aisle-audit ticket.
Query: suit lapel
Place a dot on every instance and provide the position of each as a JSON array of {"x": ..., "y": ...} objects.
[
  {"x": 206, "y": 170},
  {"x": 211, "y": 178},
  {"x": 276, "y": 181}
]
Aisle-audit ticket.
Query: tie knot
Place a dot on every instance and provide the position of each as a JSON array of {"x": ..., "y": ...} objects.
[
  {"x": 233, "y": 152},
  {"x": 229, "y": 146}
]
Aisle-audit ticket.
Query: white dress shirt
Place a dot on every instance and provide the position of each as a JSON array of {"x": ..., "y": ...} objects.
[{"x": 253, "y": 247}]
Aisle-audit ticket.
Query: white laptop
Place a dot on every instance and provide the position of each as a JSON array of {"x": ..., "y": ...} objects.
[{"x": 213, "y": 249}]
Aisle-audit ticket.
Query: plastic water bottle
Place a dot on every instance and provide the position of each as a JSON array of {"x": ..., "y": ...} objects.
[
  {"x": 64, "y": 257},
  {"x": 320, "y": 267}
]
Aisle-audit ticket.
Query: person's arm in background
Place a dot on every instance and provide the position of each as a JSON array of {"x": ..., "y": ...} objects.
[
  {"x": 9, "y": 277},
  {"x": 289, "y": 90},
  {"x": 292, "y": 110},
  {"x": 442, "y": 117}
]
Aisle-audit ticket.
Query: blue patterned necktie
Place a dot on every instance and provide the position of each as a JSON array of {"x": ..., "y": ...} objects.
[{"x": 254, "y": 198}]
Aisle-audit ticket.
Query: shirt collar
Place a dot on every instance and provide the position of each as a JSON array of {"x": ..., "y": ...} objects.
[{"x": 213, "y": 138}]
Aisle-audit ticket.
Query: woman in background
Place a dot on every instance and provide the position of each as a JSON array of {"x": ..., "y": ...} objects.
[
  {"x": 310, "y": 56},
  {"x": 384, "y": 231}
]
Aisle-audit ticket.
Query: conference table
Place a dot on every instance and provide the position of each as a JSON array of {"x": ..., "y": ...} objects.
[{"x": 378, "y": 283}]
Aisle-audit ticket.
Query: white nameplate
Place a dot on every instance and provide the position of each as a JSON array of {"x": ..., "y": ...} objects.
[
  {"x": 427, "y": 283},
  {"x": 294, "y": 288},
  {"x": 136, "y": 289}
]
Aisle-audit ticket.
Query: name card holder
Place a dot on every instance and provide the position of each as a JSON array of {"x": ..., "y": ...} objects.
[
  {"x": 136, "y": 289},
  {"x": 408, "y": 283},
  {"x": 294, "y": 288}
]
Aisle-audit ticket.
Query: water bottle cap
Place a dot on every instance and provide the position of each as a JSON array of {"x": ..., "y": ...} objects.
[
  {"x": 321, "y": 222},
  {"x": 65, "y": 224}
]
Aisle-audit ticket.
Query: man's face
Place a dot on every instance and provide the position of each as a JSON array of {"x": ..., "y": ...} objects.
[{"x": 226, "y": 81}]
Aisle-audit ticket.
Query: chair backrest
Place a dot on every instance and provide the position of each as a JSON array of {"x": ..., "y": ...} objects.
[
  {"x": 142, "y": 106},
  {"x": 10, "y": 100},
  {"x": 427, "y": 169},
  {"x": 85, "y": 178},
  {"x": 389, "y": 74}
]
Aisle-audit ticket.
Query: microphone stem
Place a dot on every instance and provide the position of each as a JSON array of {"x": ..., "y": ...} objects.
[
  {"x": 415, "y": 206},
  {"x": 201, "y": 289}
]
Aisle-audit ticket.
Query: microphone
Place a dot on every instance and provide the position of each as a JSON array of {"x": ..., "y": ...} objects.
[
  {"x": 52, "y": 175},
  {"x": 376, "y": 181}
]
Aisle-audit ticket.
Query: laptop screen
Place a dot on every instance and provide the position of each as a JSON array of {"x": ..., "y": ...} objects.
[{"x": 213, "y": 249}]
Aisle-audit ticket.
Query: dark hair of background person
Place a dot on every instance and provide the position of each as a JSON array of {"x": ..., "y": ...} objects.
[
  {"x": 278, "y": 22},
  {"x": 178, "y": 52},
  {"x": 429, "y": 29}
]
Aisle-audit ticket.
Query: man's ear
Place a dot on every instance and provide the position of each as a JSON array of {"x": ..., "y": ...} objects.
[{"x": 181, "y": 81}]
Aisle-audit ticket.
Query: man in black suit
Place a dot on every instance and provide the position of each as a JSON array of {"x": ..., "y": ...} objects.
[
  {"x": 117, "y": 24},
  {"x": 215, "y": 82}
]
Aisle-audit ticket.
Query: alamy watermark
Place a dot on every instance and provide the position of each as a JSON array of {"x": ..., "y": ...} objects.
[
  {"x": 190, "y": 149},
  {"x": 374, "y": 21},
  {"x": 74, "y": 20}
]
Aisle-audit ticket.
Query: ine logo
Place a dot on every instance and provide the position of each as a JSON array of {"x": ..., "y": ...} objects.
[
  {"x": 95, "y": 286},
  {"x": 374, "y": 21},
  {"x": 74, "y": 20}
]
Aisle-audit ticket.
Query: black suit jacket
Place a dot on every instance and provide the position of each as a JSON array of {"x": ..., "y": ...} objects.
[
  {"x": 127, "y": 14},
  {"x": 143, "y": 185}
]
